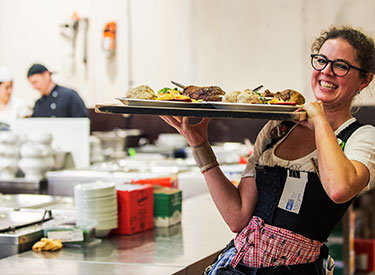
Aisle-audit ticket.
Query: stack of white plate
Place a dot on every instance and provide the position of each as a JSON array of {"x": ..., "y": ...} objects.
[{"x": 97, "y": 201}]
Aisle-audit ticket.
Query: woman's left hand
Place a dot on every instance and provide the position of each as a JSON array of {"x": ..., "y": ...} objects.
[{"x": 315, "y": 111}]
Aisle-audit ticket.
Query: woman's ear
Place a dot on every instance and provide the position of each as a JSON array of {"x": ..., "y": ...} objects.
[{"x": 366, "y": 81}]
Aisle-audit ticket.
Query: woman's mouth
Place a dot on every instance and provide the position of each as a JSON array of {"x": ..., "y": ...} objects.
[{"x": 327, "y": 85}]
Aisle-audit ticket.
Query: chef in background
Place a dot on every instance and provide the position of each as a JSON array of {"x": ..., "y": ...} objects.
[
  {"x": 11, "y": 107},
  {"x": 56, "y": 101}
]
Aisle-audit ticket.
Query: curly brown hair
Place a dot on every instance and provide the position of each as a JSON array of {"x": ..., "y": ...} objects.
[{"x": 363, "y": 44}]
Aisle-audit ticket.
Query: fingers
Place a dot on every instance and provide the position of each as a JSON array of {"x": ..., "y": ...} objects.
[
  {"x": 184, "y": 121},
  {"x": 179, "y": 118},
  {"x": 205, "y": 120},
  {"x": 174, "y": 121},
  {"x": 167, "y": 119},
  {"x": 179, "y": 122}
]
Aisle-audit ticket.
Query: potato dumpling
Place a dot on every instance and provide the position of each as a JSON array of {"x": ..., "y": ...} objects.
[{"x": 141, "y": 92}]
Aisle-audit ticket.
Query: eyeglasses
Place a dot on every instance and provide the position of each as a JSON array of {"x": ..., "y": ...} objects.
[{"x": 338, "y": 67}]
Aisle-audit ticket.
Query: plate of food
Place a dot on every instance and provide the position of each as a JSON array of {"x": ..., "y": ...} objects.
[
  {"x": 189, "y": 97},
  {"x": 213, "y": 97},
  {"x": 176, "y": 103}
]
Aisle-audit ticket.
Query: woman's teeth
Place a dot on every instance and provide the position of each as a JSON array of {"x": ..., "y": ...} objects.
[{"x": 327, "y": 85}]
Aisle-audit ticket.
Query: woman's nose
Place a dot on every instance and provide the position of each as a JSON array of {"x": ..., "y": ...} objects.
[{"x": 328, "y": 69}]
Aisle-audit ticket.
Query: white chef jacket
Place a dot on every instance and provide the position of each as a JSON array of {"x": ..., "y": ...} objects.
[{"x": 16, "y": 108}]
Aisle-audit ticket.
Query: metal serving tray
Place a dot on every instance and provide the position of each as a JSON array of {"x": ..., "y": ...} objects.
[
  {"x": 213, "y": 110},
  {"x": 19, "y": 230}
]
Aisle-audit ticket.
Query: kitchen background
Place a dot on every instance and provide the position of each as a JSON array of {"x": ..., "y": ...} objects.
[
  {"x": 233, "y": 44},
  {"x": 236, "y": 45}
]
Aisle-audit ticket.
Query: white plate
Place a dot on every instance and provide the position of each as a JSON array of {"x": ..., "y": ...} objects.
[
  {"x": 208, "y": 105},
  {"x": 254, "y": 107},
  {"x": 162, "y": 103}
]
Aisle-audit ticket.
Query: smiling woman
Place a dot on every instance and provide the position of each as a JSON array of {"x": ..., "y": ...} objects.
[
  {"x": 342, "y": 55},
  {"x": 300, "y": 180}
]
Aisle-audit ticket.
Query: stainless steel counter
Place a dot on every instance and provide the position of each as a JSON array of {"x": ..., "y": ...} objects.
[
  {"x": 182, "y": 249},
  {"x": 21, "y": 185}
]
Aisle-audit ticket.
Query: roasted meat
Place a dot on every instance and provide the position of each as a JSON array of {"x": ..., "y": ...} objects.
[
  {"x": 211, "y": 93},
  {"x": 287, "y": 95}
]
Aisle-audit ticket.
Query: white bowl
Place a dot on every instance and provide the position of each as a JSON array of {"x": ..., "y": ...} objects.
[
  {"x": 95, "y": 189},
  {"x": 37, "y": 137},
  {"x": 32, "y": 150},
  {"x": 7, "y": 137},
  {"x": 35, "y": 168},
  {"x": 85, "y": 197},
  {"x": 101, "y": 210},
  {"x": 8, "y": 168},
  {"x": 101, "y": 233},
  {"x": 9, "y": 150},
  {"x": 96, "y": 204},
  {"x": 107, "y": 224},
  {"x": 102, "y": 223}
]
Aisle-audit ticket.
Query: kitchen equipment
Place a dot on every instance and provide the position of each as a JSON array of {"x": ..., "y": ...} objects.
[
  {"x": 19, "y": 230},
  {"x": 15, "y": 202},
  {"x": 96, "y": 150},
  {"x": 69, "y": 135},
  {"x": 23, "y": 186},
  {"x": 114, "y": 143}
]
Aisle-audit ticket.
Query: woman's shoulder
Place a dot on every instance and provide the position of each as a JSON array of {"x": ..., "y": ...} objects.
[
  {"x": 363, "y": 128},
  {"x": 364, "y": 138},
  {"x": 365, "y": 131}
]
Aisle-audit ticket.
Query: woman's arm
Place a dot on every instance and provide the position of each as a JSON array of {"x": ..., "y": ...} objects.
[
  {"x": 342, "y": 179},
  {"x": 235, "y": 205}
]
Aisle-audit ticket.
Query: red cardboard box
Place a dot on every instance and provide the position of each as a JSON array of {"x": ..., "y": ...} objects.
[
  {"x": 135, "y": 208},
  {"x": 365, "y": 255}
]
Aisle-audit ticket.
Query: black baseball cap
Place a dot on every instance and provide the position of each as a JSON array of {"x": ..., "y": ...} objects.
[{"x": 37, "y": 69}]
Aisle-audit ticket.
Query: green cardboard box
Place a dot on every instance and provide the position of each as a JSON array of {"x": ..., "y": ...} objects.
[{"x": 167, "y": 206}]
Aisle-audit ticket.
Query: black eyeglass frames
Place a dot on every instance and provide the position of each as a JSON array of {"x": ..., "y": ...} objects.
[{"x": 338, "y": 67}]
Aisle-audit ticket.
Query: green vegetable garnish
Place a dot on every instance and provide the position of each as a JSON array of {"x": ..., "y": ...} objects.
[{"x": 165, "y": 90}]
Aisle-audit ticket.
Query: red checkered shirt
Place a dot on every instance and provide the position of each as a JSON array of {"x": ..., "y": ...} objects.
[{"x": 262, "y": 245}]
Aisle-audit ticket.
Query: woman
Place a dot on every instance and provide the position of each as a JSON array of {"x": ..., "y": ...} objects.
[
  {"x": 10, "y": 107},
  {"x": 297, "y": 186}
]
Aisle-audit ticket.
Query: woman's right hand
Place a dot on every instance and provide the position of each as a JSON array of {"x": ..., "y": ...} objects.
[{"x": 195, "y": 134}]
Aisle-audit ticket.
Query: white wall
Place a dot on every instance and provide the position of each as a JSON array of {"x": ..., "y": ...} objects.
[
  {"x": 248, "y": 43},
  {"x": 234, "y": 44}
]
